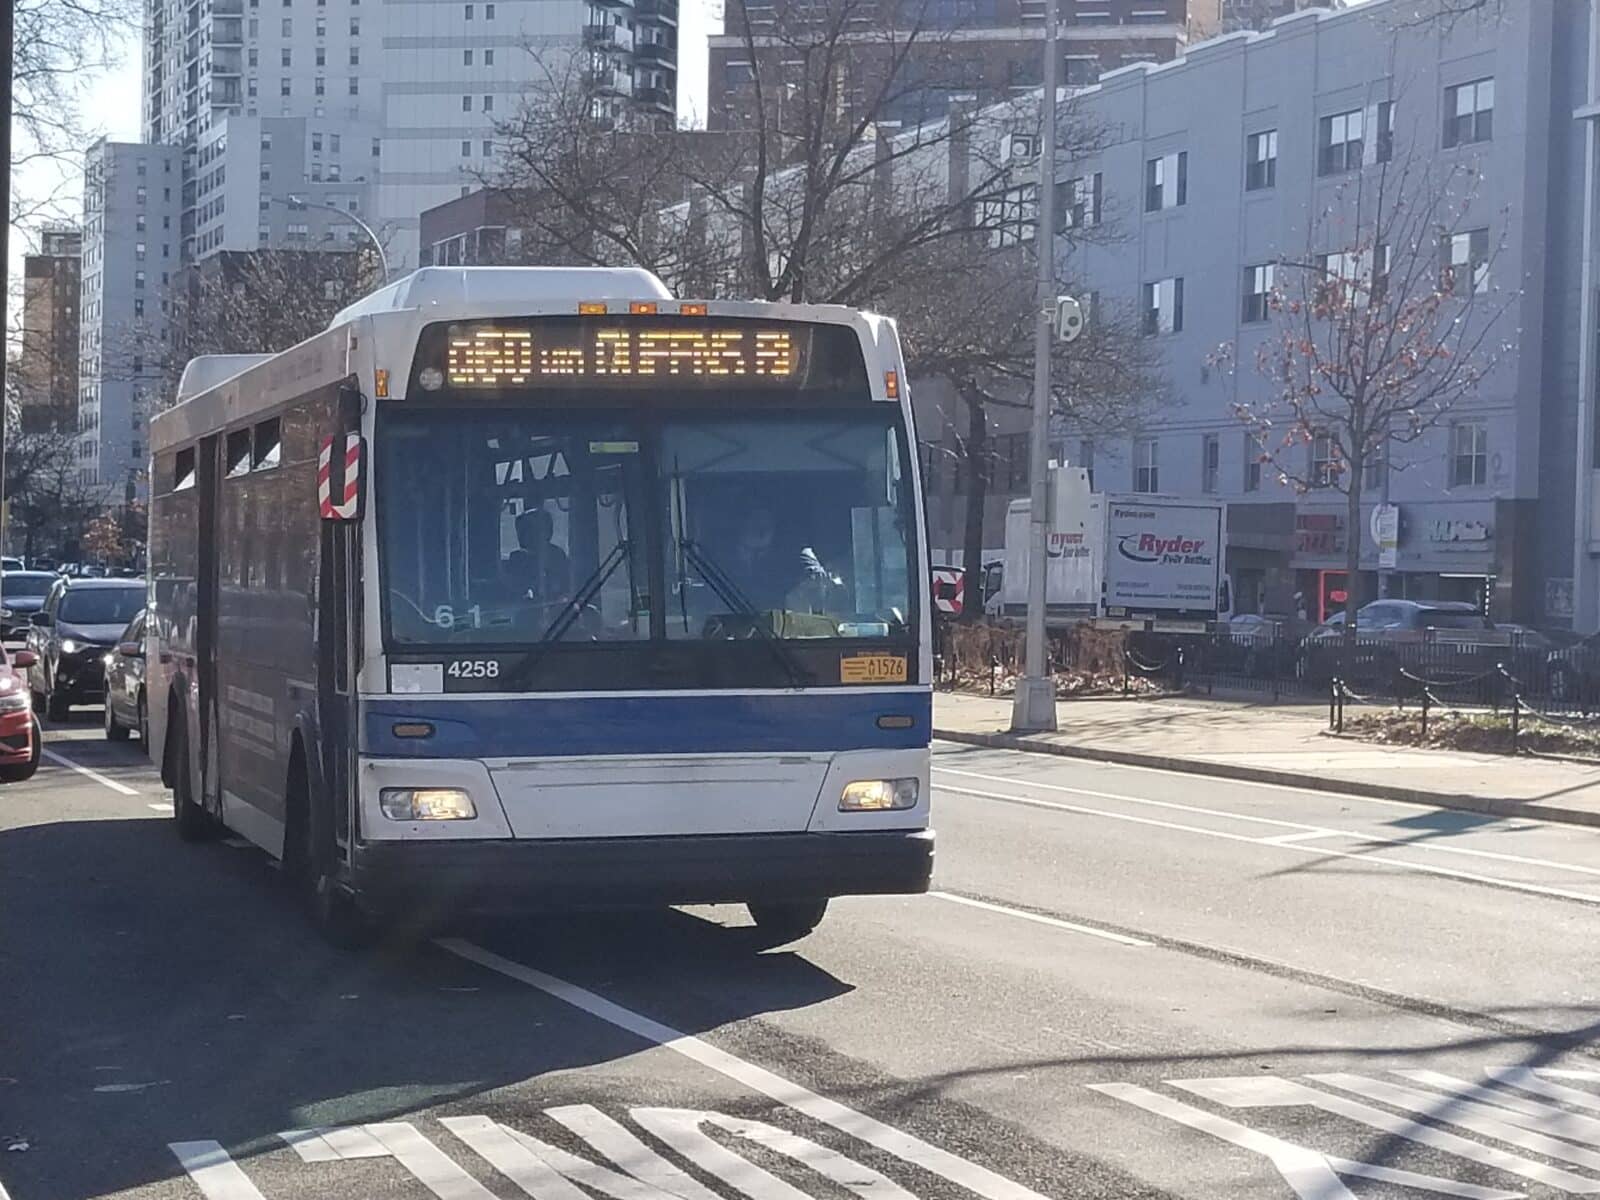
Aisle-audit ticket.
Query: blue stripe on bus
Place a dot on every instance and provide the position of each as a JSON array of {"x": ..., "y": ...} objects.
[{"x": 666, "y": 724}]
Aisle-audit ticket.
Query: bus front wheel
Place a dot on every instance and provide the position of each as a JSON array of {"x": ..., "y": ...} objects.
[
  {"x": 332, "y": 909},
  {"x": 789, "y": 922}
]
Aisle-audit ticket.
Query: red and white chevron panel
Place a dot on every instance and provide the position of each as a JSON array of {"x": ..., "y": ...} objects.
[{"x": 339, "y": 483}]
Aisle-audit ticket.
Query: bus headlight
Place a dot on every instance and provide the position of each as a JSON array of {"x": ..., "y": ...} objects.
[
  {"x": 878, "y": 795},
  {"x": 426, "y": 804}
]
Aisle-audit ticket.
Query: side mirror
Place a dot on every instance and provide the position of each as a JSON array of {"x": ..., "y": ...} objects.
[
  {"x": 23, "y": 659},
  {"x": 41, "y": 619},
  {"x": 131, "y": 649}
]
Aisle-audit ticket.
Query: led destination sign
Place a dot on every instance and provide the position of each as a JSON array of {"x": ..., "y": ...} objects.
[{"x": 568, "y": 353}]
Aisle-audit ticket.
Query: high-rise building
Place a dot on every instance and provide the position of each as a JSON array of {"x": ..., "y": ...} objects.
[
  {"x": 978, "y": 50},
  {"x": 131, "y": 213},
  {"x": 1260, "y": 14},
  {"x": 47, "y": 359}
]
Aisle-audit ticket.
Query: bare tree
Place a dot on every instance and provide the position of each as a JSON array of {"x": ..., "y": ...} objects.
[
  {"x": 1377, "y": 338},
  {"x": 264, "y": 301},
  {"x": 48, "y": 501},
  {"x": 830, "y": 186}
]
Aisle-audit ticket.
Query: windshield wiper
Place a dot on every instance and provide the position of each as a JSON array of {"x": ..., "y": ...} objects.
[
  {"x": 570, "y": 612},
  {"x": 728, "y": 592}
]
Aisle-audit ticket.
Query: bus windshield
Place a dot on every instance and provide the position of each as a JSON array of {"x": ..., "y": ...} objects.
[{"x": 511, "y": 526}]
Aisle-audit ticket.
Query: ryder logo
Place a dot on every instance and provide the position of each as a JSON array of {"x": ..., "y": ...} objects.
[{"x": 1151, "y": 548}]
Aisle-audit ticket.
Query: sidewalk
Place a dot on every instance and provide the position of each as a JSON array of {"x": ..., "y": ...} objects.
[{"x": 1281, "y": 744}]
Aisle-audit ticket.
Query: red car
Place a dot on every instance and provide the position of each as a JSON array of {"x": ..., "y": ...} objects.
[{"x": 20, "y": 735}]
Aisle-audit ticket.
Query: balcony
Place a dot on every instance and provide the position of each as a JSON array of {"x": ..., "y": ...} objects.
[
  {"x": 665, "y": 11},
  {"x": 607, "y": 37},
  {"x": 654, "y": 97},
  {"x": 227, "y": 31},
  {"x": 653, "y": 55}
]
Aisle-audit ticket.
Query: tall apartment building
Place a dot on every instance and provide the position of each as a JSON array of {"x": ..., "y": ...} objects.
[
  {"x": 132, "y": 210},
  {"x": 47, "y": 354},
  {"x": 1260, "y": 14},
  {"x": 978, "y": 49},
  {"x": 1249, "y": 151}
]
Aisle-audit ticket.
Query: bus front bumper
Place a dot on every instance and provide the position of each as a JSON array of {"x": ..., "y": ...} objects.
[{"x": 508, "y": 876}]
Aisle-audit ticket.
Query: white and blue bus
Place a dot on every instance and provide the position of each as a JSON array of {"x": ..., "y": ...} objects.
[{"x": 530, "y": 588}]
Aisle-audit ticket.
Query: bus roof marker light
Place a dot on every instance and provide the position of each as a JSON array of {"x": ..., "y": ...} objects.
[
  {"x": 380, "y": 383},
  {"x": 643, "y": 308},
  {"x": 891, "y": 384},
  {"x": 697, "y": 309},
  {"x": 592, "y": 308}
]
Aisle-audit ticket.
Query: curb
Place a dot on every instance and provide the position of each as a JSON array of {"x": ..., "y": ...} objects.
[{"x": 1489, "y": 805}]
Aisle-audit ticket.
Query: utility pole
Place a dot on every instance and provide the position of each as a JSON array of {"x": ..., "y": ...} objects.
[
  {"x": 1034, "y": 707},
  {"x": 7, "y": 48}
]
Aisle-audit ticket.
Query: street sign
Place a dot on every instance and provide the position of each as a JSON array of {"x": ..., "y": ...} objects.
[
  {"x": 949, "y": 591},
  {"x": 1386, "y": 535}
]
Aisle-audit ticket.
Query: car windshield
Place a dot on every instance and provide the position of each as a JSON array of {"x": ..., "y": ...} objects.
[
  {"x": 544, "y": 527},
  {"x": 101, "y": 605},
  {"x": 25, "y": 585}
]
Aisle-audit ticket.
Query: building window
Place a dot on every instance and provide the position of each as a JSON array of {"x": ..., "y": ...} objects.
[
  {"x": 1257, "y": 293},
  {"x": 1255, "y": 451},
  {"x": 255, "y": 57},
  {"x": 488, "y": 58},
  {"x": 488, "y": 104},
  {"x": 1323, "y": 459},
  {"x": 1469, "y": 454},
  {"x": 467, "y": 13},
  {"x": 138, "y": 251},
  {"x": 1210, "y": 461},
  {"x": 1146, "y": 470},
  {"x": 1166, "y": 181},
  {"x": 1010, "y": 217},
  {"x": 488, "y": 12},
  {"x": 322, "y": 26},
  {"x": 139, "y": 222},
  {"x": 355, "y": 56},
  {"x": 1163, "y": 306},
  {"x": 355, "y": 26},
  {"x": 355, "y": 85},
  {"x": 377, "y": 147},
  {"x": 1469, "y": 112},
  {"x": 333, "y": 142},
  {"x": 322, "y": 57},
  {"x": 488, "y": 149},
  {"x": 466, "y": 149},
  {"x": 1079, "y": 202},
  {"x": 1261, "y": 160},
  {"x": 138, "y": 306},
  {"x": 319, "y": 86},
  {"x": 1385, "y": 146},
  {"x": 466, "y": 104},
  {"x": 316, "y": 143},
  {"x": 466, "y": 58},
  {"x": 139, "y": 195},
  {"x": 1466, "y": 257},
  {"x": 283, "y": 86},
  {"x": 1339, "y": 140}
]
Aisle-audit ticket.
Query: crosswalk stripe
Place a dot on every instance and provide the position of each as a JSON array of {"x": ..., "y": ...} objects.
[
  {"x": 216, "y": 1175},
  {"x": 680, "y": 1129},
  {"x": 434, "y": 1169},
  {"x": 1530, "y": 1114},
  {"x": 542, "y": 1170},
  {"x": 628, "y": 1152},
  {"x": 830, "y": 1164}
]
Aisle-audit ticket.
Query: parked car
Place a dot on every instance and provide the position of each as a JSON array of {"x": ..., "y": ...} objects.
[
  {"x": 9, "y": 563},
  {"x": 22, "y": 594},
  {"x": 1460, "y": 641},
  {"x": 125, "y": 709},
  {"x": 21, "y": 739},
  {"x": 79, "y": 622}
]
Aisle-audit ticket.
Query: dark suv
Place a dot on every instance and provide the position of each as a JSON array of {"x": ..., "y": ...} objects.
[{"x": 79, "y": 622}]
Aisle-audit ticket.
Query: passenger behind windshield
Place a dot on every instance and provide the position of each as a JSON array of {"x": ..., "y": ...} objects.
[{"x": 538, "y": 569}]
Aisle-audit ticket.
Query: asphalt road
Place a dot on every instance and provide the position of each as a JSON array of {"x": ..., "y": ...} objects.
[{"x": 1128, "y": 983}]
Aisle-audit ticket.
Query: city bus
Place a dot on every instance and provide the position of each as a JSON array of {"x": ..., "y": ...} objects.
[{"x": 522, "y": 589}]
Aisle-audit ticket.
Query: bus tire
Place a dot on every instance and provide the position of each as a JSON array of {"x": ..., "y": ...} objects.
[
  {"x": 313, "y": 864},
  {"x": 191, "y": 821},
  {"x": 786, "y": 922}
]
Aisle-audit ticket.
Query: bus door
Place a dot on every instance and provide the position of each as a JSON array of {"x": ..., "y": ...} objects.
[
  {"x": 338, "y": 639},
  {"x": 207, "y": 708}
]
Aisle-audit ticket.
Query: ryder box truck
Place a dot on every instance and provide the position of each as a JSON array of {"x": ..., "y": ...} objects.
[{"x": 1140, "y": 561}]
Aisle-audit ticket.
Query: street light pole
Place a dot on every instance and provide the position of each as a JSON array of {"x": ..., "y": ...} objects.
[
  {"x": 302, "y": 202},
  {"x": 1034, "y": 707},
  {"x": 7, "y": 41}
]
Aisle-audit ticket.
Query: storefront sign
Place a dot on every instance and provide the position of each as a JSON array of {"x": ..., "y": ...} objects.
[
  {"x": 1455, "y": 530},
  {"x": 1386, "y": 534},
  {"x": 1319, "y": 533}
]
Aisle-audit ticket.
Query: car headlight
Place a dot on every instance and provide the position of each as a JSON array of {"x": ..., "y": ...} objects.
[
  {"x": 426, "y": 804},
  {"x": 878, "y": 795},
  {"x": 15, "y": 700},
  {"x": 71, "y": 645}
]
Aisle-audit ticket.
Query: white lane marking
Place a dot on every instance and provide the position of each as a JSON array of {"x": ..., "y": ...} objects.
[
  {"x": 1462, "y": 1112},
  {"x": 1309, "y": 830},
  {"x": 160, "y": 808},
  {"x": 1271, "y": 1092},
  {"x": 1312, "y": 1174},
  {"x": 330, "y": 1144},
  {"x": 1530, "y": 1114},
  {"x": 1534, "y": 889},
  {"x": 216, "y": 1175},
  {"x": 431, "y": 1166},
  {"x": 1309, "y": 835},
  {"x": 680, "y": 1129},
  {"x": 1055, "y": 922},
  {"x": 62, "y": 760},
  {"x": 904, "y": 1146},
  {"x": 628, "y": 1152},
  {"x": 309, "y": 1145},
  {"x": 830, "y": 1164},
  {"x": 1521, "y": 1077},
  {"x": 542, "y": 1170}
]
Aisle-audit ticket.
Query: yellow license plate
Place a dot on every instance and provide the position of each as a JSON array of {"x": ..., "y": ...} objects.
[{"x": 873, "y": 668}]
